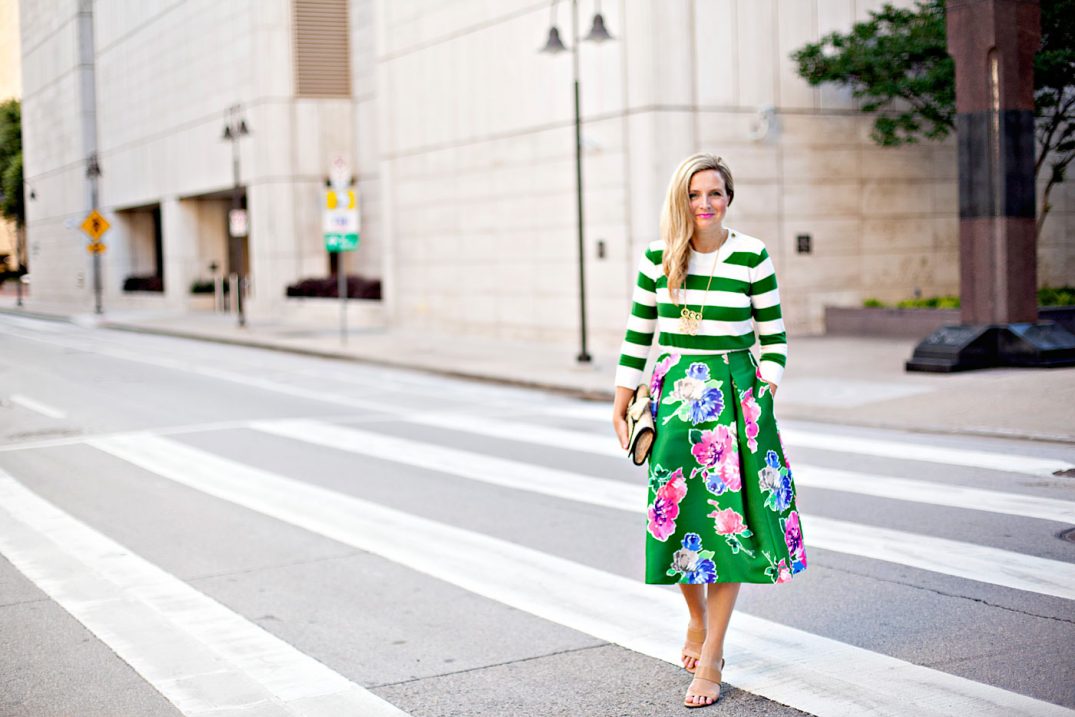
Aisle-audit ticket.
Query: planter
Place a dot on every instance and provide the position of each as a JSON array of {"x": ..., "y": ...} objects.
[
  {"x": 898, "y": 323},
  {"x": 915, "y": 323}
]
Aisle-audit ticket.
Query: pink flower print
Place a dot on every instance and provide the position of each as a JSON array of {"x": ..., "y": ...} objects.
[
  {"x": 783, "y": 574},
  {"x": 656, "y": 383},
  {"x": 711, "y": 447},
  {"x": 665, "y": 508},
  {"x": 727, "y": 521},
  {"x": 751, "y": 413},
  {"x": 793, "y": 534},
  {"x": 718, "y": 458},
  {"x": 729, "y": 471}
]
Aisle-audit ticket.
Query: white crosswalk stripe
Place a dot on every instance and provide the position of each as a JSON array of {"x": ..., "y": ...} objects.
[
  {"x": 201, "y": 656},
  {"x": 949, "y": 557},
  {"x": 956, "y": 496},
  {"x": 813, "y": 673},
  {"x": 902, "y": 450}
]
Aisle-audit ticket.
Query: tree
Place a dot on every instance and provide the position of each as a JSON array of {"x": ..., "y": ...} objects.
[
  {"x": 897, "y": 64},
  {"x": 12, "y": 203}
]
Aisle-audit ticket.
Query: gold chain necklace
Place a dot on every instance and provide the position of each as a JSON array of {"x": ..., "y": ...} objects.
[{"x": 690, "y": 321}]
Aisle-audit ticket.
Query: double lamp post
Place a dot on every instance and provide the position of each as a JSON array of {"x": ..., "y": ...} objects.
[{"x": 554, "y": 45}]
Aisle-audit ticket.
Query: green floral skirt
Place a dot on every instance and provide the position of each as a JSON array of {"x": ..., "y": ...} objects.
[{"x": 721, "y": 495}]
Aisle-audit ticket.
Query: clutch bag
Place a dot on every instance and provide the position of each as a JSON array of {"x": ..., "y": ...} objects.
[{"x": 640, "y": 426}]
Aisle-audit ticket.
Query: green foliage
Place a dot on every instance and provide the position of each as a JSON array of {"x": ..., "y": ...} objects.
[
  {"x": 932, "y": 302},
  {"x": 1047, "y": 296},
  {"x": 897, "y": 63},
  {"x": 1054, "y": 86},
  {"x": 11, "y": 185},
  {"x": 1059, "y": 296}
]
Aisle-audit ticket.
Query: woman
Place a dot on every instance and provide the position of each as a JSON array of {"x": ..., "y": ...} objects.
[{"x": 721, "y": 497}]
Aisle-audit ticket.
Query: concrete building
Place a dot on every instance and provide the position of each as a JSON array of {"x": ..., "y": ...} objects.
[
  {"x": 10, "y": 88},
  {"x": 461, "y": 136}
]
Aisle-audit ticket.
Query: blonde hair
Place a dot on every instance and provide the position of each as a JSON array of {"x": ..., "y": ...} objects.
[{"x": 677, "y": 221}]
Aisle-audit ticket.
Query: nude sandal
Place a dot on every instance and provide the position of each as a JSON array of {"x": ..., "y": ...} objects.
[
  {"x": 693, "y": 646},
  {"x": 705, "y": 672}
]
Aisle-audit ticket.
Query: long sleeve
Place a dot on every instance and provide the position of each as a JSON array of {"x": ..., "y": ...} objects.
[
  {"x": 642, "y": 322},
  {"x": 765, "y": 310}
]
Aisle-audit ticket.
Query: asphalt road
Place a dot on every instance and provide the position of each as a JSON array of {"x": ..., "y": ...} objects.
[{"x": 192, "y": 528}]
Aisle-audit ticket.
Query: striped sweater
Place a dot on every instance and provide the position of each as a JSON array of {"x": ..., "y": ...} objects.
[{"x": 743, "y": 289}]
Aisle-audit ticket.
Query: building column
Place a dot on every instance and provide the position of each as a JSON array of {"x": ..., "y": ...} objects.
[{"x": 179, "y": 232}]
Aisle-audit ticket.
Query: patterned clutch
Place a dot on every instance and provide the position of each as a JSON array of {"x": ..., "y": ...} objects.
[{"x": 640, "y": 426}]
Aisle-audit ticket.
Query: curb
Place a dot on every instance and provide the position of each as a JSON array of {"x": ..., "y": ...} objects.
[{"x": 342, "y": 356}]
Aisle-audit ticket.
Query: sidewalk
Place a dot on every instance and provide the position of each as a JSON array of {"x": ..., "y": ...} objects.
[{"x": 850, "y": 380}]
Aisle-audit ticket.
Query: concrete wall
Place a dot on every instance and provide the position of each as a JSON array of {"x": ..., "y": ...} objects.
[
  {"x": 10, "y": 87},
  {"x": 166, "y": 76},
  {"x": 462, "y": 138}
]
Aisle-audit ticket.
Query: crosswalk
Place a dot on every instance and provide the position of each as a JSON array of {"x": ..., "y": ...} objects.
[
  {"x": 208, "y": 658},
  {"x": 769, "y": 656}
]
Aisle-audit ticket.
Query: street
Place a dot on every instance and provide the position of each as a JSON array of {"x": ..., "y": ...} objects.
[{"x": 196, "y": 528}]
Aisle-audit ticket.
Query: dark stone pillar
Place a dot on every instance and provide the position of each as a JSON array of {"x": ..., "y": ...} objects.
[{"x": 993, "y": 43}]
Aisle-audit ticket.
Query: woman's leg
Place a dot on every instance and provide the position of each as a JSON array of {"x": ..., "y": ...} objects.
[
  {"x": 696, "y": 606},
  {"x": 720, "y": 602}
]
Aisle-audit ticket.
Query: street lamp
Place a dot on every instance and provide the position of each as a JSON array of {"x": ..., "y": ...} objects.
[
  {"x": 553, "y": 46},
  {"x": 234, "y": 129}
]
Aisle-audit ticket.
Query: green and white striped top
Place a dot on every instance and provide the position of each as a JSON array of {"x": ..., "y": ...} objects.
[{"x": 744, "y": 288}]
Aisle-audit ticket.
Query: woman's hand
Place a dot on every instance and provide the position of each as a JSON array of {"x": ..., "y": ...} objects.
[
  {"x": 772, "y": 387},
  {"x": 619, "y": 414}
]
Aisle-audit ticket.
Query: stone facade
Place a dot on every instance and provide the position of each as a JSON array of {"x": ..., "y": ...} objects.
[
  {"x": 10, "y": 88},
  {"x": 462, "y": 138}
]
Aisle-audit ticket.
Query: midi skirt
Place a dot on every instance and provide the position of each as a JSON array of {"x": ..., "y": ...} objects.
[{"x": 721, "y": 494}]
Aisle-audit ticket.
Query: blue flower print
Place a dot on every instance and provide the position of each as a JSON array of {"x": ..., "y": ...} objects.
[
  {"x": 698, "y": 371},
  {"x": 772, "y": 460},
  {"x": 692, "y": 541},
  {"x": 708, "y": 407},
  {"x": 704, "y": 572}
]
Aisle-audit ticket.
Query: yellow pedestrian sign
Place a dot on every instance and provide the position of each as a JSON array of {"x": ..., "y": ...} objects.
[{"x": 95, "y": 225}]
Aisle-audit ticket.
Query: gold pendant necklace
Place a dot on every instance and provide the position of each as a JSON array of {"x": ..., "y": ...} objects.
[{"x": 691, "y": 321}]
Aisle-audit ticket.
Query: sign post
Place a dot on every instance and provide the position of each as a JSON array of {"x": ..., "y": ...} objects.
[
  {"x": 95, "y": 226},
  {"x": 340, "y": 226}
]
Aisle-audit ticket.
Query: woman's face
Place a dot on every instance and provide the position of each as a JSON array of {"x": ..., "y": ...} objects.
[{"x": 708, "y": 199}]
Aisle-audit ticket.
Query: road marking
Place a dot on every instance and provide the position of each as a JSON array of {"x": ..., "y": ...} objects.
[
  {"x": 902, "y": 450},
  {"x": 946, "y": 494},
  {"x": 527, "y": 432},
  {"x": 819, "y": 675},
  {"x": 43, "y": 408},
  {"x": 204, "y": 658},
  {"x": 606, "y": 446},
  {"x": 939, "y": 555}
]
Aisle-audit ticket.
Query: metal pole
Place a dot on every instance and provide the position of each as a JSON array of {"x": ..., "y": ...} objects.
[
  {"x": 584, "y": 356},
  {"x": 237, "y": 248},
  {"x": 94, "y": 173},
  {"x": 342, "y": 289},
  {"x": 20, "y": 244}
]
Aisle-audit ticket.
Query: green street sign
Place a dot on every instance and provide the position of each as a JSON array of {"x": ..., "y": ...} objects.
[{"x": 341, "y": 242}]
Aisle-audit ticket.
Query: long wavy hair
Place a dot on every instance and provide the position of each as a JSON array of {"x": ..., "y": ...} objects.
[{"x": 677, "y": 221}]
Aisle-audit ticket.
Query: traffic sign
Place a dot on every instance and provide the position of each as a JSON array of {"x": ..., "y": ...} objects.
[
  {"x": 340, "y": 220},
  {"x": 95, "y": 225},
  {"x": 96, "y": 247},
  {"x": 341, "y": 242}
]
